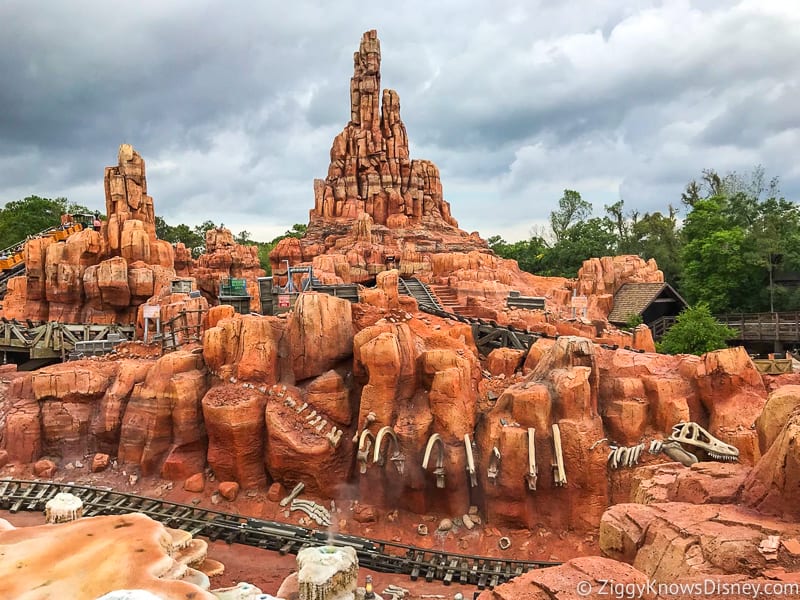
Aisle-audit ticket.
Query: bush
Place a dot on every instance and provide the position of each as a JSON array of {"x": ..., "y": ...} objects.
[
  {"x": 633, "y": 322},
  {"x": 696, "y": 331}
]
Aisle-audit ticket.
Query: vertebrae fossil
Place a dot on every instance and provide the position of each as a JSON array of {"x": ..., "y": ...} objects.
[{"x": 684, "y": 436}]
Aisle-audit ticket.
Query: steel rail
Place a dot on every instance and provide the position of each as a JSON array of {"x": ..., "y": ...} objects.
[{"x": 378, "y": 555}]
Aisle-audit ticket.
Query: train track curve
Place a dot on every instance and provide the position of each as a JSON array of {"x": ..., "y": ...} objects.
[{"x": 378, "y": 555}]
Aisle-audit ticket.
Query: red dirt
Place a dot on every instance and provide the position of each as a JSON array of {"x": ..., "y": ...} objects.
[{"x": 268, "y": 569}]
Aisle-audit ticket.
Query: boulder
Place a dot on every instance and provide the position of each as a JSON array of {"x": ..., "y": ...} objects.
[
  {"x": 164, "y": 415},
  {"x": 320, "y": 333},
  {"x": 44, "y": 468},
  {"x": 99, "y": 462},
  {"x": 504, "y": 361},
  {"x": 235, "y": 423},
  {"x": 195, "y": 484},
  {"x": 229, "y": 490},
  {"x": 772, "y": 486},
  {"x": 588, "y": 576},
  {"x": 676, "y": 541},
  {"x": 276, "y": 492},
  {"x": 112, "y": 281},
  {"x": 780, "y": 405}
]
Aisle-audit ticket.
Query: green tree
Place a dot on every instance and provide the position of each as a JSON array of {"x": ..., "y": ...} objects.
[
  {"x": 298, "y": 230},
  {"x": 737, "y": 234},
  {"x": 655, "y": 235},
  {"x": 21, "y": 218},
  {"x": 571, "y": 210},
  {"x": 582, "y": 240},
  {"x": 528, "y": 253},
  {"x": 189, "y": 236},
  {"x": 695, "y": 331},
  {"x": 716, "y": 270}
]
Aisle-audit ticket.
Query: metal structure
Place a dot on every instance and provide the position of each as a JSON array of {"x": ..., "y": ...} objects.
[
  {"x": 426, "y": 299},
  {"x": 378, "y": 555},
  {"x": 515, "y": 300},
  {"x": 55, "y": 340},
  {"x": 233, "y": 292},
  {"x": 178, "y": 331},
  {"x": 96, "y": 347},
  {"x": 12, "y": 259},
  {"x": 488, "y": 335}
]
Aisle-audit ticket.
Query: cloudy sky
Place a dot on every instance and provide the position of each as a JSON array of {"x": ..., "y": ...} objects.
[{"x": 234, "y": 104}]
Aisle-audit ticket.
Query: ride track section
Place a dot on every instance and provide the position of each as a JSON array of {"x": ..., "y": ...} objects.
[{"x": 377, "y": 555}]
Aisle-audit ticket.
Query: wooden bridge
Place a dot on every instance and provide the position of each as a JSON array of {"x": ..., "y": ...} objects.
[
  {"x": 783, "y": 327},
  {"x": 53, "y": 340}
]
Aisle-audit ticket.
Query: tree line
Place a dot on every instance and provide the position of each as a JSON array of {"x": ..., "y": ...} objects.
[{"x": 731, "y": 244}]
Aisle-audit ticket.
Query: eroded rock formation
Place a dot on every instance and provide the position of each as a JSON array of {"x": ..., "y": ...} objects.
[
  {"x": 104, "y": 554},
  {"x": 224, "y": 258},
  {"x": 105, "y": 276},
  {"x": 376, "y": 203}
]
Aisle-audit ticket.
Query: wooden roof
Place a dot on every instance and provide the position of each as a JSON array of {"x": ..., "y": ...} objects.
[{"x": 634, "y": 298}]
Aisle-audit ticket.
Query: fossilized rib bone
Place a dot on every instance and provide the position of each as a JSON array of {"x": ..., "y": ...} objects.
[
  {"x": 435, "y": 440},
  {"x": 558, "y": 468},
  {"x": 364, "y": 445},
  {"x": 397, "y": 457},
  {"x": 494, "y": 465},
  {"x": 473, "y": 478},
  {"x": 533, "y": 472},
  {"x": 622, "y": 456}
]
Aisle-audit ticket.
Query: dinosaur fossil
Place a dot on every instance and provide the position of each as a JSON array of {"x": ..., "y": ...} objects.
[{"x": 681, "y": 446}]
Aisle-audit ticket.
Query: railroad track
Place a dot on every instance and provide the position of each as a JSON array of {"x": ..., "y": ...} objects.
[{"x": 378, "y": 555}]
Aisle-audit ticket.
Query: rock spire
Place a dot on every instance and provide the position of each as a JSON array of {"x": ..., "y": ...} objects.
[
  {"x": 370, "y": 170},
  {"x": 376, "y": 206}
]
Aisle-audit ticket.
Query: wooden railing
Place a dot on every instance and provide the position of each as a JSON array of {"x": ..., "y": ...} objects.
[
  {"x": 749, "y": 327},
  {"x": 777, "y": 326}
]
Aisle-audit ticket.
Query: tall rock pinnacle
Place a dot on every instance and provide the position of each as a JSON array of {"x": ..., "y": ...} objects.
[
  {"x": 370, "y": 170},
  {"x": 377, "y": 208}
]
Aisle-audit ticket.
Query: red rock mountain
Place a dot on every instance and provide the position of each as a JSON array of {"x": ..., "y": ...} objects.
[{"x": 376, "y": 201}]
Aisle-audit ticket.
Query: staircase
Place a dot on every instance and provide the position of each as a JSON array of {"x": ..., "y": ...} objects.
[
  {"x": 449, "y": 299},
  {"x": 415, "y": 288}
]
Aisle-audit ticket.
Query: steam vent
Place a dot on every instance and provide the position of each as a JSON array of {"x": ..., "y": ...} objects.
[{"x": 327, "y": 573}]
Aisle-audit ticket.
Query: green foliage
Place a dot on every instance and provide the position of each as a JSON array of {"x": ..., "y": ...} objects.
[
  {"x": 656, "y": 236},
  {"x": 528, "y": 253},
  {"x": 21, "y": 218},
  {"x": 193, "y": 238},
  {"x": 695, "y": 331},
  {"x": 633, "y": 322},
  {"x": 572, "y": 209},
  {"x": 579, "y": 242},
  {"x": 298, "y": 230},
  {"x": 737, "y": 234}
]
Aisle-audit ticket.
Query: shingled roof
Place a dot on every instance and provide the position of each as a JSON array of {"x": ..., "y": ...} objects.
[{"x": 633, "y": 299}]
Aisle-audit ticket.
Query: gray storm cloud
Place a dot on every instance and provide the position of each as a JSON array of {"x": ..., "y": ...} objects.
[{"x": 235, "y": 110}]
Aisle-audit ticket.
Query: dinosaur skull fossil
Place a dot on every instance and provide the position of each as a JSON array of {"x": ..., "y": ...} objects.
[{"x": 695, "y": 437}]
